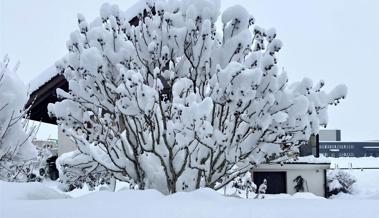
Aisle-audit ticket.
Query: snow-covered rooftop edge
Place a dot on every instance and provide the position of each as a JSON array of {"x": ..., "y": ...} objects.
[
  {"x": 133, "y": 11},
  {"x": 43, "y": 78},
  {"x": 51, "y": 71},
  {"x": 344, "y": 142},
  {"x": 306, "y": 159}
]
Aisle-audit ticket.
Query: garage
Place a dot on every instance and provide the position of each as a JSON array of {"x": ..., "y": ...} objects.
[{"x": 276, "y": 181}]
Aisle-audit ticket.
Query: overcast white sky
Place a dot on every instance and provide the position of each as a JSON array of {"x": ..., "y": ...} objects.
[{"x": 337, "y": 41}]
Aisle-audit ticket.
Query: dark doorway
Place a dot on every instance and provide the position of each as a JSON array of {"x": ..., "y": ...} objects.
[{"x": 276, "y": 181}]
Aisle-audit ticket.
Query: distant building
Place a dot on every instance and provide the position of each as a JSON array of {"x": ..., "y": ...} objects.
[
  {"x": 350, "y": 149},
  {"x": 332, "y": 146},
  {"x": 330, "y": 135},
  {"x": 51, "y": 144}
]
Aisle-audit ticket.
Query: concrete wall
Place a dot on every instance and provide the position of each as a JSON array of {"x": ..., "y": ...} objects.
[
  {"x": 65, "y": 144},
  {"x": 314, "y": 181}
]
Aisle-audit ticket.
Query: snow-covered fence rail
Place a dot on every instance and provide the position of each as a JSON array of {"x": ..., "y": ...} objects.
[{"x": 356, "y": 168}]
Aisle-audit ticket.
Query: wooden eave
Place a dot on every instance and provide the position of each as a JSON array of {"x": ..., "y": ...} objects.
[{"x": 44, "y": 95}]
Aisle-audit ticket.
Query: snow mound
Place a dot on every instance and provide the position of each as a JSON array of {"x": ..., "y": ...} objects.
[
  {"x": 298, "y": 195},
  {"x": 357, "y": 195},
  {"x": 202, "y": 203},
  {"x": 203, "y": 193},
  {"x": 28, "y": 191},
  {"x": 306, "y": 195}
]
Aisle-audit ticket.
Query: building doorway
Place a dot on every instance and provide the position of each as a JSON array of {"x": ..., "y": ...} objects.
[{"x": 276, "y": 181}]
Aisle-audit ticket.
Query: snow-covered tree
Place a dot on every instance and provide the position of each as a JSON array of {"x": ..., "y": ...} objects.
[
  {"x": 16, "y": 149},
  {"x": 173, "y": 104}
]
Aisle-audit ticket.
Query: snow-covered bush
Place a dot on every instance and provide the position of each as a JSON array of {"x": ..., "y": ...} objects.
[
  {"x": 243, "y": 185},
  {"x": 175, "y": 105},
  {"x": 76, "y": 169},
  {"x": 38, "y": 168},
  {"x": 339, "y": 181},
  {"x": 261, "y": 190},
  {"x": 16, "y": 149}
]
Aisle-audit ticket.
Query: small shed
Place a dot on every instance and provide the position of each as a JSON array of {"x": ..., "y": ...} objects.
[{"x": 301, "y": 174}]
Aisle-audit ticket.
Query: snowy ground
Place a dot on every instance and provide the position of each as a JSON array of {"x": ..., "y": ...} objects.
[
  {"x": 202, "y": 203},
  {"x": 30, "y": 200},
  {"x": 367, "y": 185},
  {"x": 354, "y": 162}
]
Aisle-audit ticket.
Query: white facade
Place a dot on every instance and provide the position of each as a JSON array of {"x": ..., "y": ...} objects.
[
  {"x": 313, "y": 175},
  {"x": 65, "y": 144},
  {"x": 50, "y": 144}
]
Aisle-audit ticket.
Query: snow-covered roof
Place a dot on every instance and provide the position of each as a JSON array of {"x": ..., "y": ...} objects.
[
  {"x": 43, "y": 78},
  {"x": 311, "y": 159},
  {"x": 305, "y": 160},
  {"x": 131, "y": 12},
  {"x": 51, "y": 71},
  {"x": 346, "y": 142}
]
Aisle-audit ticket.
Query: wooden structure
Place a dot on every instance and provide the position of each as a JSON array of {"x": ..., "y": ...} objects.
[
  {"x": 40, "y": 98},
  {"x": 46, "y": 93}
]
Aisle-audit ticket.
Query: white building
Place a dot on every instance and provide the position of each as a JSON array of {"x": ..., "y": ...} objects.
[{"x": 283, "y": 177}]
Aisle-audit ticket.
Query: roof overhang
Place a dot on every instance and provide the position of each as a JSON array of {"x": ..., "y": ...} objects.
[
  {"x": 44, "y": 95},
  {"x": 44, "y": 92}
]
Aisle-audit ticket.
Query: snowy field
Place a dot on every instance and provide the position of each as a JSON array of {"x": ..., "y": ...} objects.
[
  {"x": 354, "y": 162},
  {"x": 44, "y": 200},
  {"x": 367, "y": 185}
]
